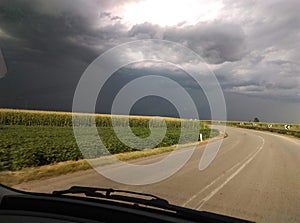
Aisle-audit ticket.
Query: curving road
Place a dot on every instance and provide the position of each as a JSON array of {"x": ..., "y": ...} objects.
[{"x": 256, "y": 176}]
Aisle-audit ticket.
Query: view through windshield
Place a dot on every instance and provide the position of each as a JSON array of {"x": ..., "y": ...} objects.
[{"x": 194, "y": 101}]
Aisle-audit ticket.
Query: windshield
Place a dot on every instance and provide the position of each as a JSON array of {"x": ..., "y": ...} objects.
[{"x": 194, "y": 101}]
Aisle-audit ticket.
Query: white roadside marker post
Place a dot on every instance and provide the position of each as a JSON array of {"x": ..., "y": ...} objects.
[{"x": 200, "y": 137}]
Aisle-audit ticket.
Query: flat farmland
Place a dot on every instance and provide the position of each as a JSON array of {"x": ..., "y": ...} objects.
[{"x": 35, "y": 138}]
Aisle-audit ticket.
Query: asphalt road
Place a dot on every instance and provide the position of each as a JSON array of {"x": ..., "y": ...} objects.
[{"x": 256, "y": 176}]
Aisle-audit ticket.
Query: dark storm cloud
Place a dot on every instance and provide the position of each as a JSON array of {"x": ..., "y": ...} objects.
[
  {"x": 59, "y": 28},
  {"x": 47, "y": 33},
  {"x": 40, "y": 56},
  {"x": 153, "y": 105},
  {"x": 47, "y": 49},
  {"x": 251, "y": 46}
]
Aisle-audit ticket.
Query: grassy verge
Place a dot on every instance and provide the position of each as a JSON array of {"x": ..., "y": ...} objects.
[
  {"x": 279, "y": 128},
  {"x": 288, "y": 129},
  {"x": 290, "y": 133}
]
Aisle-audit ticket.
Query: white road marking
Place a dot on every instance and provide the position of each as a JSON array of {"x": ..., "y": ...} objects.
[
  {"x": 202, "y": 202},
  {"x": 218, "y": 178},
  {"x": 209, "y": 185}
]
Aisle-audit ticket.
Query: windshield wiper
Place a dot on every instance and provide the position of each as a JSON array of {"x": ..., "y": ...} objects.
[
  {"x": 153, "y": 201},
  {"x": 109, "y": 193}
]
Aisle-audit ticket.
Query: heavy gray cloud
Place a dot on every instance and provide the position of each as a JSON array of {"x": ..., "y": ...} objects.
[
  {"x": 216, "y": 42},
  {"x": 271, "y": 68},
  {"x": 252, "y": 46}
]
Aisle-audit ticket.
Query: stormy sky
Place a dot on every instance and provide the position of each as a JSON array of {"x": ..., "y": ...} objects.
[{"x": 251, "y": 46}]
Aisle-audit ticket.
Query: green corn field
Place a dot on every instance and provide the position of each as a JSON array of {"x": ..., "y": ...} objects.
[{"x": 36, "y": 138}]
